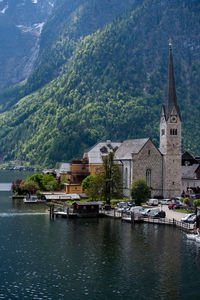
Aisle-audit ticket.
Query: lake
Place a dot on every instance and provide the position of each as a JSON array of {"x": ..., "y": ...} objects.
[{"x": 101, "y": 259}]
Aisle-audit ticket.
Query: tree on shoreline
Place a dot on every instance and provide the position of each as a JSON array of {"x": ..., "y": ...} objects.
[
  {"x": 107, "y": 184},
  {"x": 140, "y": 191}
]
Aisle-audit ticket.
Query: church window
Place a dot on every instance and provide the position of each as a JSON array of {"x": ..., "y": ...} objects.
[
  {"x": 173, "y": 182},
  {"x": 148, "y": 177},
  {"x": 126, "y": 177},
  {"x": 173, "y": 132},
  {"x": 149, "y": 152},
  {"x": 163, "y": 132}
]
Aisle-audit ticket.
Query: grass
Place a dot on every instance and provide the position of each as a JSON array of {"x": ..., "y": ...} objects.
[{"x": 186, "y": 211}]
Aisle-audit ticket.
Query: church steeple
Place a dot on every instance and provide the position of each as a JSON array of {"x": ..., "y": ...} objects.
[
  {"x": 170, "y": 97},
  {"x": 170, "y": 137}
]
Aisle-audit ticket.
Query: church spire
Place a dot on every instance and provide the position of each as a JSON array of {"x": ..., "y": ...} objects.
[{"x": 170, "y": 98}]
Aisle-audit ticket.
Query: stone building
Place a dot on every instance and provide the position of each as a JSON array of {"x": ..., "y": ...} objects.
[
  {"x": 140, "y": 158},
  {"x": 161, "y": 167},
  {"x": 170, "y": 138}
]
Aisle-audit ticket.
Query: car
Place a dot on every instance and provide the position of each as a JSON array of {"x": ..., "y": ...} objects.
[
  {"x": 122, "y": 204},
  {"x": 160, "y": 214},
  {"x": 171, "y": 206},
  {"x": 178, "y": 206},
  {"x": 121, "y": 209},
  {"x": 186, "y": 217},
  {"x": 165, "y": 201},
  {"x": 192, "y": 219},
  {"x": 137, "y": 210},
  {"x": 153, "y": 202},
  {"x": 149, "y": 211}
]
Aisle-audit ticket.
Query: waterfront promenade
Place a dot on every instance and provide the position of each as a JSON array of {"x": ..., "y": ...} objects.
[{"x": 172, "y": 218}]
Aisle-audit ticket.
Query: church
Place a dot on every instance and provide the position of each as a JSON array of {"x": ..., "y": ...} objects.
[{"x": 161, "y": 167}]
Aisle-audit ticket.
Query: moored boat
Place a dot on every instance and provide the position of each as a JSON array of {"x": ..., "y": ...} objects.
[
  {"x": 192, "y": 236},
  {"x": 198, "y": 239},
  {"x": 32, "y": 199}
]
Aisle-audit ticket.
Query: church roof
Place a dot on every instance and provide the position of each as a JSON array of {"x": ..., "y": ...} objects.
[
  {"x": 98, "y": 151},
  {"x": 130, "y": 147},
  {"x": 170, "y": 97},
  {"x": 189, "y": 172}
]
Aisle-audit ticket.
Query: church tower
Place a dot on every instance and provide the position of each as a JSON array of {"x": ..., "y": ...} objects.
[{"x": 170, "y": 137}]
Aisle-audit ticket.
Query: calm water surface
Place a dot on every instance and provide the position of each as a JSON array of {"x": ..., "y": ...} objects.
[{"x": 92, "y": 258}]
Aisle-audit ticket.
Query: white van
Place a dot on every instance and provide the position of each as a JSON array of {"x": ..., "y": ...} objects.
[{"x": 152, "y": 202}]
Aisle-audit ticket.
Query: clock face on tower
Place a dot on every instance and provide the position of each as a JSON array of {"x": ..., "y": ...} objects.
[{"x": 173, "y": 119}]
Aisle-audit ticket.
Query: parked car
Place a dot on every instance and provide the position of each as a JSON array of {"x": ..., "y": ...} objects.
[
  {"x": 178, "y": 206},
  {"x": 165, "y": 201},
  {"x": 137, "y": 210},
  {"x": 171, "y": 206},
  {"x": 149, "y": 211},
  {"x": 176, "y": 200},
  {"x": 192, "y": 219},
  {"x": 186, "y": 217},
  {"x": 160, "y": 214},
  {"x": 153, "y": 202},
  {"x": 122, "y": 204}
]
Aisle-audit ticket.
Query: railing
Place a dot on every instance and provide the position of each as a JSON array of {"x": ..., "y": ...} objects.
[{"x": 134, "y": 218}]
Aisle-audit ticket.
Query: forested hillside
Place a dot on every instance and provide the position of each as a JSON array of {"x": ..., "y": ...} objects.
[{"x": 101, "y": 74}]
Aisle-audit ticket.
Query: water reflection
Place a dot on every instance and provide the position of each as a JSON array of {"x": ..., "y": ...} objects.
[
  {"x": 19, "y": 205},
  {"x": 91, "y": 259}
]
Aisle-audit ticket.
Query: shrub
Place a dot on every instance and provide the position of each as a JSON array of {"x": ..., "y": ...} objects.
[
  {"x": 140, "y": 191},
  {"x": 197, "y": 202}
]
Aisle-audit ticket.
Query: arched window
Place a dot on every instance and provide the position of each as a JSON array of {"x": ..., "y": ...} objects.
[
  {"x": 126, "y": 177},
  {"x": 148, "y": 177}
]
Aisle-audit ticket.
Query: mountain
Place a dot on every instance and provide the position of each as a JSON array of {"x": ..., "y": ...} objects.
[
  {"x": 101, "y": 74},
  {"x": 21, "y": 24}
]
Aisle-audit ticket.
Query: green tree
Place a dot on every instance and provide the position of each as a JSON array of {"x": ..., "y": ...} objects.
[
  {"x": 111, "y": 179},
  {"x": 49, "y": 182},
  {"x": 86, "y": 183},
  {"x": 36, "y": 178},
  {"x": 107, "y": 184},
  {"x": 140, "y": 191},
  {"x": 197, "y": 202},
  {"x": 45, "y": 182},
  {"x": 29, "y": 187},
  {"x": 93, "y": 186}
]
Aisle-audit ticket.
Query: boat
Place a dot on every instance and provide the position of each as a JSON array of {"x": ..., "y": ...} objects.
[
  {"x": 32, "y": 199},
  {"x": 192, "y": 237},
  {"x": 198, "y": 239}
]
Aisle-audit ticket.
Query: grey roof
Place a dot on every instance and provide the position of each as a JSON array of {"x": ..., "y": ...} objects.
[
  {"x": 101, "y": 149},
  {"x": 130, "y": 147},
  {"x": 170, "y": 99},
  {"x": 189, "y": 171},
  {"x": 64, "y": 168}
]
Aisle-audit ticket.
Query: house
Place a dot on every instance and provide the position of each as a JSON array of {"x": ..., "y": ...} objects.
[
  {"x": 190, "y": 177},
  {"x": 90, "y": 164}
]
